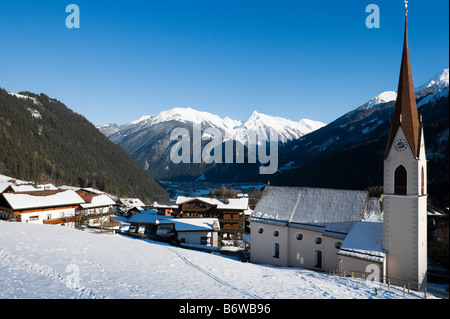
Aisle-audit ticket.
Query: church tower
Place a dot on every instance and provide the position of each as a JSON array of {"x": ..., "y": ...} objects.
[{"x": 405, "y": 184}]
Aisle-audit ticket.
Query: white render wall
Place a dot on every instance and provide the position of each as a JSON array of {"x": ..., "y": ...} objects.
[
  {"x": 44, "y": 215},
  {"x": 405, "y": 219},
  {"x": 293, "y": 252}
]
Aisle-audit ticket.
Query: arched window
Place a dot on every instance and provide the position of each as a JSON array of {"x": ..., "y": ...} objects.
[
  {"x": 422, "y": 182},
  {"x": 400, "y": 178}
]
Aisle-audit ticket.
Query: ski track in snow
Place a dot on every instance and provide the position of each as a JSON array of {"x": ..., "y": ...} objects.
[{"x": 217, "y": 279}]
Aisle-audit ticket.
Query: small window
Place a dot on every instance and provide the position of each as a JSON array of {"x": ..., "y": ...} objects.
[
  {"x": 318, "y": 240},
  {"x": 260, "y": 230},
  {"x": 318, "y": 259},
  {"x": 337, "y": 244},
  {"x": 276, "y": 250},
  {"x": 400, "y": 180},
  {"x": 299, "y": 236},
  {"x": 276, "y": 233}
]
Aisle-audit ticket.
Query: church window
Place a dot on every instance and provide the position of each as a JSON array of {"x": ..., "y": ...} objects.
[
  {"x": 400, "y": 179},
  {"x": 276, "y": 233},
  {"x": 260, "y": 230},
  {"x": 318, "y": 259},
  {"x": 299, "y": 236},
  {"x": 337, "y": 244},
  {"x": 318, "y": 240},
  {"x": 276, "y": 250},
  {"x": 422, "y": 182}
]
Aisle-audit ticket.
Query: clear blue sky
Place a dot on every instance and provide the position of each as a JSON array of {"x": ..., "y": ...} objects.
[{"x": 295, "y": 59}]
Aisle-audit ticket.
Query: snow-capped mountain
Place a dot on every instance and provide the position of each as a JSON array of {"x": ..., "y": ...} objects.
[
  {"x": 435, "y": 85},
  {"x": 147, "y": 139},
  {"x": 349, "y": 151},
  {"x": 257, "y": 123}
]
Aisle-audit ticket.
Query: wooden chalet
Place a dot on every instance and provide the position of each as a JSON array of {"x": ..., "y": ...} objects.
[{"x": 231, "y": 212}]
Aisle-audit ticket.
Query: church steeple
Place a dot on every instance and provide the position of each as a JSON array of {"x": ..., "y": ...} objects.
[{"x": 405, "y": 113}]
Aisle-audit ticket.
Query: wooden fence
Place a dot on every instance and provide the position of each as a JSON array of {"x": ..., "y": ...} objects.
[{"x": 407, "y": 286}]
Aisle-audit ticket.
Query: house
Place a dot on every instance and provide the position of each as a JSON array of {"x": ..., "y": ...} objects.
[
  {"x": 230, "y": 212},
  {"x": 166, "y": 208},
  {"x": 42, "y": 207},
  {"x": 146, "y": 218},
  {"x": 302, "y": 226},
  {"x": 96, "y": 209},
  {"x": 191, "y": 231},
  {"x": 128, "y": 203}
]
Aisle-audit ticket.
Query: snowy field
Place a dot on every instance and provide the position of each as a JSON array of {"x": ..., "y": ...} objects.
[{"x": 47, "y": 261}]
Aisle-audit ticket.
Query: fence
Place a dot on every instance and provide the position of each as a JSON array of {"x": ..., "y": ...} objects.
[{"x": 407, "y": 285}]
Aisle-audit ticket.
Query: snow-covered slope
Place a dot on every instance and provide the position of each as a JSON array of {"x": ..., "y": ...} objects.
[{"x": 45, "y": 261}]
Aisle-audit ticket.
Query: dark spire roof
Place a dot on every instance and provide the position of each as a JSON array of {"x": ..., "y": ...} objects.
[{"x": 405, "y": 113}]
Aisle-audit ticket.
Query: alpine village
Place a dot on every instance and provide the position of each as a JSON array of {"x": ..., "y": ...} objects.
[{"x": 374, "y": 202}]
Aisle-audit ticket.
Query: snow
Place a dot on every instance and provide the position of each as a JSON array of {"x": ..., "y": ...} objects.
[
  {"x": 23, "y": 201},
  {"x": 257, "y": 123},
  {"x": 54, "y": 262}
]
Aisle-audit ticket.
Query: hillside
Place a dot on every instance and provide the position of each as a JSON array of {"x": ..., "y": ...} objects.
[
  {"x": 43, "y": 141},
  {"x": 44, "y": 258}
]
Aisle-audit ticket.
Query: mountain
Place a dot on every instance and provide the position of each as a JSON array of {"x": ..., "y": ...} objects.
[
  {"x": 44, "y": 141},
  {"x": 147, "y": 140},
  {"x": 349, "y": 152}
]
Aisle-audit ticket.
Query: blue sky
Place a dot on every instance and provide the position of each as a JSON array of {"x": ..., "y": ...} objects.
[{"x": 295, "y": 59}]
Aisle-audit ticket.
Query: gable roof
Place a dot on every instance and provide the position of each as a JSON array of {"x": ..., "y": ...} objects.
[
  {"x": 18, "y": 201},
  {"x": 193, "y": 224},
  {"x": 332, "y": 209},
  {"x": 232, "y": 203}
]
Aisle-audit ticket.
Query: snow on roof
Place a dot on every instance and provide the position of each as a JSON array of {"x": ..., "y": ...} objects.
[
  {"x": 232, "y": 203},
  {"x": 132, "y": 202},
  {"x": 147, "y": 217},
  {"x": 166, "y": 204},
  {"x": 99, "y": 201},
  {"x": 31, "y": 187},
  {"x": 193, "y": 224},
  {"x": 25, "y": 201},
  {"x": 364, "y": 241},
  {"x": 332, "y": 209}
]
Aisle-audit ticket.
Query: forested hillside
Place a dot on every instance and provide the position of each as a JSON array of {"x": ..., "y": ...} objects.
[{"x": 42, "y": 140}]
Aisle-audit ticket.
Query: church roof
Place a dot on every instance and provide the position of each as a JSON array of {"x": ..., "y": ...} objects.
[
  {"x": 332, "y": 209},
  {"x": 405, "y": 113}
]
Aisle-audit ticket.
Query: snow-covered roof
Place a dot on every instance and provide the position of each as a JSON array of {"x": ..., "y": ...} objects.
[
  {"x": 333, "y": 209},
  {"x": 131, "y": 202},
  {"x": 30, "y": 187},
  {"x": 166, "y": 204},
  {"x": 364, "y": 241},
  {"x": 24, "y": 201},
  {"x": 99, "y": 201},
  {"x": 193, "y": 224},
  {"x": 232, "y": 203},
  {"x": 147, "y": 217}
]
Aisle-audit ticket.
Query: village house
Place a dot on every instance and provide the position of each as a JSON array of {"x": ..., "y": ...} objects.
[
  {"x": 41, "y": 207},
  {"x": 230, "y": 212},
  {"x": 166, "y": 208},
  {"x": 191, "y": 231},
  {"x": 97, "y": 208}
]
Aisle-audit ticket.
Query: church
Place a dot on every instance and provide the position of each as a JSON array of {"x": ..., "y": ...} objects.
[{"x": 331, "y": 230}]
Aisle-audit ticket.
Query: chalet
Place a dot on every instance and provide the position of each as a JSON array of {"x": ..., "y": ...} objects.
[
  {"x": 42, "y": 207},
  {"x": 191, "y": 231},
  {"x": 230, "y": 212},
  {"x": 96, "y": 209},
  {"x": 166, "y": 208},
  {"x": 147, "y": 219}
]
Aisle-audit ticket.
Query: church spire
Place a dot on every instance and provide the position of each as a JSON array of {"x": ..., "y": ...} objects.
[{"x": 405, "y": 113}]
